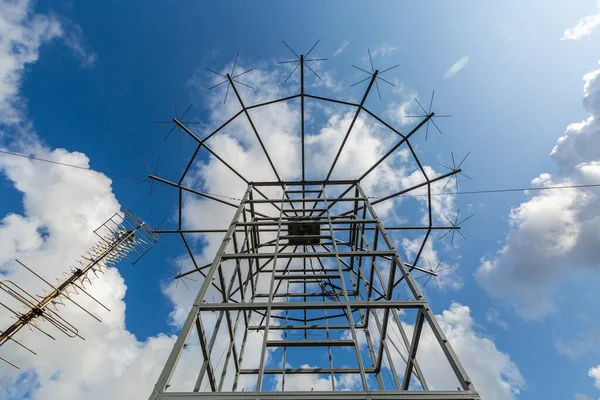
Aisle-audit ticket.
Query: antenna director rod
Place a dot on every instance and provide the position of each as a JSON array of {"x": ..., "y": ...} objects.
[{"x": 38, "y": 309}]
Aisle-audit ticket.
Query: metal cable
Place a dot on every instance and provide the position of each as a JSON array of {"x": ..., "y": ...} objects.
[{"x": 370, "y": 197}]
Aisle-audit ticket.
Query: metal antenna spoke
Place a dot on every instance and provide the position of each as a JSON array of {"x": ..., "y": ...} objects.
[
  {"x": 243, "y": 73},
  {"x": 286, "y": 45},
  {"x": 436, "y": 127},
  {"x": 388, "y": 82},
  {"x": 374, "y": 73},
  {"x": 217, "y": 85},
  {"x": 431, "y": 102},
  {"x": 366, "y": 79},
  {"x": 311, "y": 70},
  {"x": 447, "y": 167},
  {"x": 389, "y": 69},
  {"x": 466, "y": 219},
  {"x": 302, "y": 60},
  {"x": 312, "y": 48},
  {"x": 233, "y": 76},
  {"x": 216, "y": 73},
  {"x": 463, "y": 160},
  {"x": 362, "y": 70},
  {"x": 226, "y": 92},
  {"x": 422, "y": 108},
  {"x": 243, "y": 84},
  {"x": 291, "y": 73},
  {"x": 234, "y": 64},
  {"x": 377, "y": 87}
]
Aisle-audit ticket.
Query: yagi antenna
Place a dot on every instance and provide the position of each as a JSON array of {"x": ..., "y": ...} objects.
[
  {"x": 428, "y": 112},
  {"x": 373, "y": 72},
  {"x": 122, "y": 236}
]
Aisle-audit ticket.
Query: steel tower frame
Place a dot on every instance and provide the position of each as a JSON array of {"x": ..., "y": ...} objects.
[{"x": 307, "y": 258}]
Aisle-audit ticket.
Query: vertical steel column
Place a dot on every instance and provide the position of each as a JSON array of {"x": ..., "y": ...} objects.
[
  {"x": 455, "y": 364},
  {"x": 348, "y": 310},
  {"x": 264, "y": 350},
  {"x": 418, "y": 372},
  {"x": 169, "y": 368}
]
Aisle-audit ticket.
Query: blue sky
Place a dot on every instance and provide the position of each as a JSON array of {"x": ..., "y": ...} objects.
[{"x": 99, "y": 81}]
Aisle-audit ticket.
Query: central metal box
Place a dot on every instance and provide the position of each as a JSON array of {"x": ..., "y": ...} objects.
[{"x": 304, "y": 231}]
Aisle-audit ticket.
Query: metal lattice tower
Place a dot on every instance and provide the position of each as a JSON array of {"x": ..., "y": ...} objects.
[{"x": 307, "y": 280}]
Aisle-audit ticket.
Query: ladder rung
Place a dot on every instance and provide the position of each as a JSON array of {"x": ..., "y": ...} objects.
[
  {"x": 309, "y": 343},
  {"x": 304, "y": 209},
  {"x": 278, "y": 371},
  {"x": 305, "y": 237},
  {"x": 304, "y": 191},
  {"x": 308, "y": 276}
]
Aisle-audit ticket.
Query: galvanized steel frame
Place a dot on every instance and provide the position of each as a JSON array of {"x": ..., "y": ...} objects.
[{"x": 369, "y": 250}]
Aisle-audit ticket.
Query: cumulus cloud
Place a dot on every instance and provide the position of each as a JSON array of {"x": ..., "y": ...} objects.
[
  {"x": 584, "y": 27},
  {"x": 494, "y": 375},
  {"x": 62, "y": 207},
  {"x": 595, "y": 374},
  {"x": 553, "y": 233},
  {"x": 22, "y": 34}
]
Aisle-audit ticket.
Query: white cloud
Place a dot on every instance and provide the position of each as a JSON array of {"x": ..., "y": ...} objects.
[
  {"x": 492, "y": 316},
  {"x": 73, "y": 38},
  {"x": 584, "y": 343},
  {"x": 399, "y": 111},
  {"x": 341, "y": 48},
  {"x": 315, "y": 382},
  {"x": 584, "y": 27},
  {"x": 383, "y": 51},
  {"x": 492, "y": 372},
  {"x": 579, "y": 396},
  {"x": 62, "y": 207},
  {"x": 595, "y": 373},
  {"x": 22, "y": 33},
  {"x": 553, "y": 233}
]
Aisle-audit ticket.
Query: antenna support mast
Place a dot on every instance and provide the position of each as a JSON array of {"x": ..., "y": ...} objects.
[{"x": 306, "y": 269}]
